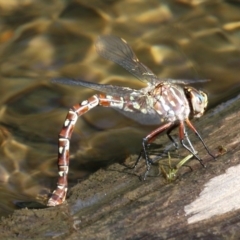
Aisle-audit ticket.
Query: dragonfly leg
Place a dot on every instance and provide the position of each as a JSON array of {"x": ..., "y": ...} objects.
[
  {"x": 183, "y": 135},
  {"x": 147, "y": 159},
  {"x": 59, "y": 195},
  {"x": 199, "y": 136},
  {"x": 148, "y": 139},
  {"x": 140, "y": 155},
  {"x": 170, "y": 137},
  {"x": 138, "y": 159}
]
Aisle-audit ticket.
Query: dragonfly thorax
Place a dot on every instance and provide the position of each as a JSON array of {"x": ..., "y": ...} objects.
[{"x": 170, "y": 102}]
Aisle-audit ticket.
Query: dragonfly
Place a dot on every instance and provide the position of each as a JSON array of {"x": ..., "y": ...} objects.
[{"x": 170, "y": 103}]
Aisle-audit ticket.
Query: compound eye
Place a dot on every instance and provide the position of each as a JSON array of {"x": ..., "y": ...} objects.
[
  {"x": 204, "y": 98},
  {"x": 200, "y": 98}
]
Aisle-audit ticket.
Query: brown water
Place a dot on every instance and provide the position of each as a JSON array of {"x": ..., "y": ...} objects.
[{"x": 45, "y": 39}]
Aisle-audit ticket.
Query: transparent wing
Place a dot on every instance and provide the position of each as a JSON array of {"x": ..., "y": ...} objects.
[
  {"x": 150, "y": 118},
  {"x": 185, "y": 81},
  {"x": 117, "y": 50},
  {"x": 109, "y": 89}
]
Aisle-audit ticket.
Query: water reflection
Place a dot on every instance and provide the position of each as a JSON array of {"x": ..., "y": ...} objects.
[{"x": 176, "y": 39}]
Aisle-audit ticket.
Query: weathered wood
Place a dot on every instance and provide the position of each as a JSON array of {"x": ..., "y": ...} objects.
[{"x": 114, "y": 204}]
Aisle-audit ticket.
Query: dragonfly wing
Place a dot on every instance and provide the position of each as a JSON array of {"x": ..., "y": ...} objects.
[
  {"x": 117, "y": 50},
  {"x": 109, "y": 89},
  {"x": 150, "y": 118},
  {"x": 185, "y": 81}
]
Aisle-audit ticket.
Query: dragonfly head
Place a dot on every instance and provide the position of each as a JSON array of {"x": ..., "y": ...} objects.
[{"x": 198, "y": 101}]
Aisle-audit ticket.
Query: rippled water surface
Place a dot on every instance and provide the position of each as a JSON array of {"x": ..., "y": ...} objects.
[{"x": 45, "y": 39}]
